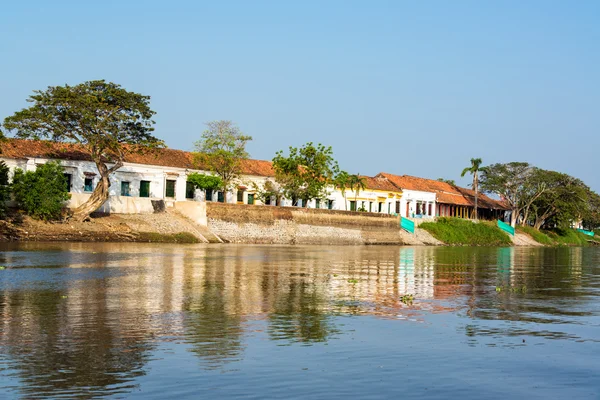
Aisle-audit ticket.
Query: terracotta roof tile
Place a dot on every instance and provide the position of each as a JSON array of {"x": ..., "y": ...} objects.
[
  {"x": 380, "y": 183},
  {"x": 445, "y": 192},
  {"x": 19, "y": 148}
]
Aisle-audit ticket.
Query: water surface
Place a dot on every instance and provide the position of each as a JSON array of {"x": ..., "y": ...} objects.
[{"x": 227, "y": 321}]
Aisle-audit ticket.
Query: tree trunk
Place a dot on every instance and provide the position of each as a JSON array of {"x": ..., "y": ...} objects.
[
  {"x": 476, "y": 188},
  {"x": 100, "y": 194},
  {"x": 513, "y": 217},
  {"x": 538, "y": 223}
]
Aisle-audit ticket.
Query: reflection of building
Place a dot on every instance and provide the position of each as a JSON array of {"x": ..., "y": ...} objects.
[{"x": 101, "y": 317}]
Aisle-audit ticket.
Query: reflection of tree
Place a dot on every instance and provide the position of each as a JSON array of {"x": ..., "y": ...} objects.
[
  {"x": 214, "y": 333},
  {"x": 213, "y": 325},
  {"x": 60, "y": 346},
  {"x": 300, "y": 314},
  {"x": 511, "y": 284}
]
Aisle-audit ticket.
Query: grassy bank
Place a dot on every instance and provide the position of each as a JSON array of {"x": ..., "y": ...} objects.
[
  {"x": 456, "y": 231},
  {"x": 556, "y": 237},
  {"x": 154, "y": 237}
]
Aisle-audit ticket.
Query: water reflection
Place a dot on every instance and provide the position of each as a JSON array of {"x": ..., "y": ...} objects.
[{"x": 93, "y": 321}]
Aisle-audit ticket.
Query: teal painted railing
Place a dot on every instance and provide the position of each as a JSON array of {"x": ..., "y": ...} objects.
[
  {"x": 589, "y": 233},
  {"x": 506, "y": 228},
  {"x": 407, "y": 225}
]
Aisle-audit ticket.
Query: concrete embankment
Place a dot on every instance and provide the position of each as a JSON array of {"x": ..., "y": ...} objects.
[
  {"x": 239, "y": 223},
  {"x": 198, "y": 222}
]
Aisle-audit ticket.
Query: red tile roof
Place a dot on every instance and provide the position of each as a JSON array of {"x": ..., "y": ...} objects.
[
  {"x": 19, "y": 148},
  {"x": 445, "y": 192},
  {"x": 380, "y": 183}
]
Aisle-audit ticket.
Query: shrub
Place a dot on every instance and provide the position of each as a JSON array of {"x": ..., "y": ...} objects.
[
  {"x": 4, "y": 188},
  {"x": 41, "y": 193},
  {"x": 568, "y": 237}
]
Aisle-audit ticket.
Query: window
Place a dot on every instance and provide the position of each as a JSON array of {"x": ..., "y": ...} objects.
[
  {"x": 144, "y": 188},
  {"x": 352, "y": 206},
  {"x": 370, "y": 206},
  {"x": 380, "y": 208},
  {"x": 330, "y": 204},
  {"x": 170, "y": 189},
  {"x": 190, "y": 190},
  {"x": 397, "y": 207},
  {"x": 240, "y": 196},
  {"x": 268, "y": 201},
  {"x": 125, "y": 189},
  {"x": 317, "y": 203},
  {"x": 88, "y": 185},
  {"x": 68, "y": 179},
  {"x": 250, "y": 198},
  {"x": 221, "y": 197},
  {"x": 209, "y": 195}
]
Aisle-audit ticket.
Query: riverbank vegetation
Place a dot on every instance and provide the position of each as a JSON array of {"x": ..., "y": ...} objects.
[
  {"x": 461, "y": 232},
  {"x": 556, "y": 237}
]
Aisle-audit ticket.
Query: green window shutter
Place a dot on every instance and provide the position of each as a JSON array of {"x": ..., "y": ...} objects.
[
  {"x": 125, "y": 189},
  {"x": 88, "y": 185},
  {"x": 144, "y": 188},
  {"x": 250, "y": 198},
  {"x": 170, "y": 189},
  {"x": 190, "y": 190}
]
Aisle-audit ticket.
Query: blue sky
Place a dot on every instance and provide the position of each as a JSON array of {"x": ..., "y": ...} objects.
[{"x": 404, "y": 87}]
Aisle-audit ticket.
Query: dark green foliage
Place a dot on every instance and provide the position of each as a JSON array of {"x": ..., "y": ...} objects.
[
  {"x": 4, "y": 188},
  {"x": 205, "y": 182},
  {"x": 106, "y": 120},
  {"x": 568, "y": 237},
  {"x": 306, "y": 172},
  {"x": 456, "y": 231},
  {"x": 41, "y": 193}
]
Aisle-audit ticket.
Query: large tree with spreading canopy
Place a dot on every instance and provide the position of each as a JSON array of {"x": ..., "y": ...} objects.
[{"x": 107, "y": 121}]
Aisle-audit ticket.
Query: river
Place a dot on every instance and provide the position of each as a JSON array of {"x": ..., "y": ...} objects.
[{"x": 227, "y": 321}]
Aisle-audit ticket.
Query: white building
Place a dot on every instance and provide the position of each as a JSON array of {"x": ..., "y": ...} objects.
[{"x": 417, "y": 201}]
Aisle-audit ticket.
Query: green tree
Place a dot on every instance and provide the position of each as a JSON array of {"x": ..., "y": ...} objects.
[
  {"x": 306, "y": 172},
  {"x": 448, "y": 181},
  {"x": 341, "y": 181},
  {"x": 221, "y": 150},
  {"x": 591, "y": 215},
  {"x": 41, "y": 193},
  {"x": 205, "y": 182},
  {"x": 4, "y": 188},
  {"x": 356, "y": 183},
  {"x": 474, "y": 170},
  {"x": 564, "y": 201},
  {"x": 265, "y": 192},
  {"x": 518, "y": 183},
  {"x": 108, "y": 122}
]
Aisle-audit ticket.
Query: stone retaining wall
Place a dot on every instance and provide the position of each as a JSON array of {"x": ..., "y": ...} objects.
[{"x": 239, "y": 223}]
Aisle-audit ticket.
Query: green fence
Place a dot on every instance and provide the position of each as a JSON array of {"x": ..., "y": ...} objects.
[
  {"x": 589, "y": 233},
  {"x": 506, "y": 228},
  {"x": 407, "y": 225}
]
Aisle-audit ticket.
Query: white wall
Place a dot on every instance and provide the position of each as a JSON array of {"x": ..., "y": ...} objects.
[{"x": 412, "y": 197}]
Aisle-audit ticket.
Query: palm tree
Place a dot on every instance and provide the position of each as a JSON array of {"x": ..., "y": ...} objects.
[
  {"x": 474, "y": 170},
  {"x": 356, "y": 183},
  {"x": 341, "y": 181}
]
